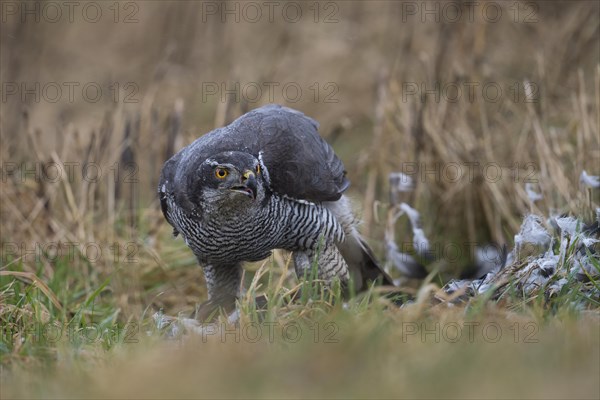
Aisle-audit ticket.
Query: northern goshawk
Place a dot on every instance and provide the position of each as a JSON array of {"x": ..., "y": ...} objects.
[{"x": 266, "y": 181}]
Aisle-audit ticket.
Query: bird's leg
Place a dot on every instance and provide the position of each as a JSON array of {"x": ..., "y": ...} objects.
[
  {"x": 224, "y": 284},
  {"x": 330, "y": 265}
]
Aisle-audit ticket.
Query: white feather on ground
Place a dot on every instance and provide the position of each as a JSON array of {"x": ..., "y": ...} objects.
[
  {"x": 401, "y": 182},
  {"x": 532, "y": 194},
  {"x": 420, "y": 241},
  {"x": 589, "y": 180},
  {"x": 404, "y": 263},
  {"x": 544, "y": 267},
  {"x": 532, "y": 233}
]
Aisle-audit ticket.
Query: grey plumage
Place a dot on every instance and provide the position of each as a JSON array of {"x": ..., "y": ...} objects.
[{"x": 266, "y": 181}]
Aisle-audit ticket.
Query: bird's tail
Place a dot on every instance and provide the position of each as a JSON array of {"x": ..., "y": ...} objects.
[{"x": 364, "y": 268}]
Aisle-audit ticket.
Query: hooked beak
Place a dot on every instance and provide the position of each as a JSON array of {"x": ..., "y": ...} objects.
[{"x": 248, "y": 185}]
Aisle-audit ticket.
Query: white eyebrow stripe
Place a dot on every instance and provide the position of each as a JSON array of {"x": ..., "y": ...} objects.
[{"x": 214, "y": 163}]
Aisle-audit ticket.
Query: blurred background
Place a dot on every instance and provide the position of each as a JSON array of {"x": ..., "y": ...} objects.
[{"x": 478, "y": 103}]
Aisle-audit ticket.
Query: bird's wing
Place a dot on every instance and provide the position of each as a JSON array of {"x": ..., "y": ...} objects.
[
  {"x": 300, "y": 163},
  {"x": 167, "y": 187}
]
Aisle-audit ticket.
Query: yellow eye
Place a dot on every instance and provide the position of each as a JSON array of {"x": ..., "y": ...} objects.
[
  {"x": 221, "y": 173},
  {"x": 257, "y": 169}
]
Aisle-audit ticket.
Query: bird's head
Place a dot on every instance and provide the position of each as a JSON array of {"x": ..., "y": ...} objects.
[{"x": 232, "y": 179}]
